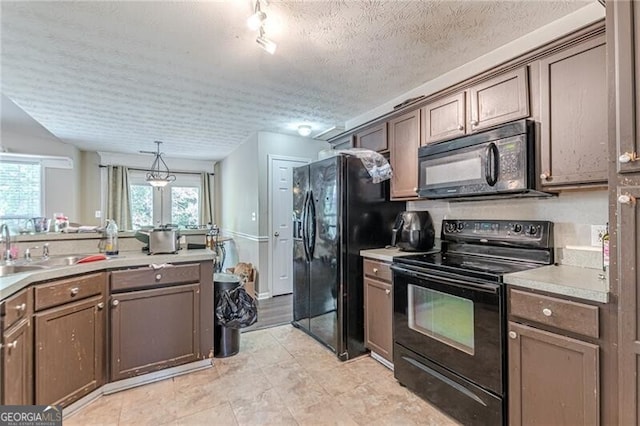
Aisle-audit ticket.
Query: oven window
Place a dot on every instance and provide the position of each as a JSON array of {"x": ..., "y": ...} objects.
[{"x": 442, "y": 316}]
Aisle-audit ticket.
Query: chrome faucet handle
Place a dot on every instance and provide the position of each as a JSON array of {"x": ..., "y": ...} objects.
[
  {"x": 45, "y": 251},
  {"x": 27, "y": 252}
]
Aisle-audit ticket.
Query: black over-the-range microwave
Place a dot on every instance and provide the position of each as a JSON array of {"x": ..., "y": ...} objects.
[{"x": 491, "y": 164}]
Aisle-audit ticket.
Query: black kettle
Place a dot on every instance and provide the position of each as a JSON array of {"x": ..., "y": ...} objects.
[{"x": 413, "y": 231}]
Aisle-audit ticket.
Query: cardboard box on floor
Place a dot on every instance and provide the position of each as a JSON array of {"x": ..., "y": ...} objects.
[{"x": 247, "y": 274}]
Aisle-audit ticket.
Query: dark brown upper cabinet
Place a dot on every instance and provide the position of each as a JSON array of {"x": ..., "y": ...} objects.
[
  {"x": 499, "y": 100},
  {"x": 373, "y": 138},
  {"x": 404, "y": 140},
  {"x": 445, "y": 118},
  {"x": 573, "y": 107},
  {"x": 488, "y": 103}
]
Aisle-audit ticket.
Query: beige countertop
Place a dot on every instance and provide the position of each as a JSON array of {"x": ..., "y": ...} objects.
[
  {"x": 574, "y": 281},
  {"x": 386, "y": 254},
  {"x": 9, "y": 284}
]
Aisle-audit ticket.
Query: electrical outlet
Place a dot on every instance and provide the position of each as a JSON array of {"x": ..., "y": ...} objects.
[
  {"x": 597, "y": 232},
  {"x": 98, "y": 214}
]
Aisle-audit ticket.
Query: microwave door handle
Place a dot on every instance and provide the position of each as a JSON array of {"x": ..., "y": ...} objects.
[{"x": 491, "y": 164}]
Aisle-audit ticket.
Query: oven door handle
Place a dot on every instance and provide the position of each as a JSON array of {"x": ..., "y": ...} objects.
[{"x": 485, "y": 288}]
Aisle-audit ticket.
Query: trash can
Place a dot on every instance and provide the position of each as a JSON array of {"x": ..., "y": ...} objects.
[{"x": 226, "y": 341}]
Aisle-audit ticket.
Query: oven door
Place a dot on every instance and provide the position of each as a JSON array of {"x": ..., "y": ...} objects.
[{"x": 452, "y": 321}]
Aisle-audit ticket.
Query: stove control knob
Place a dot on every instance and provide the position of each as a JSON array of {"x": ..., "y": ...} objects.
[
  {"x": 516, "y": 227},
  {"x": 532, "y": 230},
  {"x": 460, "y": 226}
]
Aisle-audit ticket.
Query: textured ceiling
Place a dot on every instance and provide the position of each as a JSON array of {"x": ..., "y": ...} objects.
[{"x": 115, "y": 76}]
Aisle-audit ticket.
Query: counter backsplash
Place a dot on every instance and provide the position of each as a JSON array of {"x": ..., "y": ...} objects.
[{"x": 573, "y": 213}]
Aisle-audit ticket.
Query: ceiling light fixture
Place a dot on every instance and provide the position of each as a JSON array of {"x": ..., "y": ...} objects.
[
  {"x": 265, "y": 43},
  {"x": 158, "y": 176},
  {"x": 304, "y": 130},
  {"x": 256, "y": 20}
]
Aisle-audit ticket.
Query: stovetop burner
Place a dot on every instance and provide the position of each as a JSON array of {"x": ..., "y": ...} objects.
[{"x": 488, "y": 249}]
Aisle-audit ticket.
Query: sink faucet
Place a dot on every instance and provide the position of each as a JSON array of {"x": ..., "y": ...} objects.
[{"x": 6, "y": 254}]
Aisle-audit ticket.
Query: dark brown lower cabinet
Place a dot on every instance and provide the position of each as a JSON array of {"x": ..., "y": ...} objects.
[
  {"x": 18, "y": 364},
  {"x": 69, "y": 351},
  {"x": 154, "y": 329},
  {"x": 378, "y": 317},
  {"x": 553, "y": 379}
]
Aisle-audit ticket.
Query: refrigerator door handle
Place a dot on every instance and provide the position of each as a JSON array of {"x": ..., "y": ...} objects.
[
  {"x": 305, "y": 237},
  {"x": 312, "y": 231}
]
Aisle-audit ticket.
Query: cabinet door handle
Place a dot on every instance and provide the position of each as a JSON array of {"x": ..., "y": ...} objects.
[
  {"x": 12, "y": 345},
  {"x": 513, "y": 334},
  {"x": 158, "y": 277},
  {"x": 375, "y": 270},
  {"x": 74, "y": 291},
  {"x": 628, "y": 157},
  {"x": 22, "y": 307},
  {"x": 115, "y": 303},
  {"x": 387, "y": 292},
  {"x": 545, "y": 176},
  {"x": 626, "y": 199},
  {"x": 547, "y": 312},
  {"x": 415, "y": 189},
  {"x": 100, "y": 306},
  {"x": 276, "y": 234},
  {"x": 460, "y": 127}
]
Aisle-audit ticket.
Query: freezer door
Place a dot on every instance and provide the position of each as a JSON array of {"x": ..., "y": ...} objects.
[
  {"x": 325, "y": 284},
  {"x": 300, "y": 258}
]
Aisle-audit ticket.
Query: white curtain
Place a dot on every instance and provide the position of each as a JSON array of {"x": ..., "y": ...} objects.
[
  {"x": 118, "y": 196},
  {"x": 206, "y": 212}
]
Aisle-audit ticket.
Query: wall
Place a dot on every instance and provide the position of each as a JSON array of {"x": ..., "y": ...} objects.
[
  {"x": 573, "y": 213},
  {"x": 243, "y": 189},
  {"x": 19, "y": 133}
]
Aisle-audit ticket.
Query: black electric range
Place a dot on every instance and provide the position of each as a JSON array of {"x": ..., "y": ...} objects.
[{"x": 450, "y": 317}]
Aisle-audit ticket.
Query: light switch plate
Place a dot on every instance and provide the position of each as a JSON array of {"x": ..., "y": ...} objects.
[
  {"x": 597, "y": 232},
  {"x": 98, "y": 214}
]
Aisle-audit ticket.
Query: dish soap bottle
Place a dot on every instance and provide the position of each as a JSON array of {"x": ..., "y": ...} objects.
[{"x": 111, "y": 245}]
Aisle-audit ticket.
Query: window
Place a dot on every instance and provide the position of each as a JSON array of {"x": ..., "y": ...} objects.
[
  {"x": 21, "y": 188},
  {"x": 179, "y": 203}
]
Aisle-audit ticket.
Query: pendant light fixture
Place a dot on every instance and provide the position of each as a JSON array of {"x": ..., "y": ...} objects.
[{"x": 158, "y": 176}]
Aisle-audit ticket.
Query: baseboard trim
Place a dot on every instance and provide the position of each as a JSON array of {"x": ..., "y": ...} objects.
[
  {"x": 382, "y": 361},
  {"x": 133, "y": 382},
  {"x": 262, "y": 296}
]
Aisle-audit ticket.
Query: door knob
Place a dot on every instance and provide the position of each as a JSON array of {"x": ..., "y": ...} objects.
[{"x": 276, "y": 234}]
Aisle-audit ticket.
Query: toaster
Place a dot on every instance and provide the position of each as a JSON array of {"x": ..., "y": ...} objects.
[{"x": 164, "y": 241}]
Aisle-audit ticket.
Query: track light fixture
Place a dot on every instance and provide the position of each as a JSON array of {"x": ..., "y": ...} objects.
[
  {"x": 256, "y": 22},
  {"x": 265, "y": 43}
]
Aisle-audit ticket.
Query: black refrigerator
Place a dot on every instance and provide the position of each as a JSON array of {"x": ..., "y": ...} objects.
[{"x": 337, "y": 211}]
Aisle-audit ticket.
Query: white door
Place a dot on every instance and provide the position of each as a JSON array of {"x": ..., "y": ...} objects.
[{"x": 281, "y": 210}]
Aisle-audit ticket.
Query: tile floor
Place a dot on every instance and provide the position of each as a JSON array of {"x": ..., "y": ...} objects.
[{"x": 282, "y": 377}]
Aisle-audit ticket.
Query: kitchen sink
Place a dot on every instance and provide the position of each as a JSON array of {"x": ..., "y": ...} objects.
[
  {"x": 59, "y": 260},
  {"x": 9, "y": 269}
]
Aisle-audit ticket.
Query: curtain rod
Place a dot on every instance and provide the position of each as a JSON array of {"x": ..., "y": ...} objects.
[{"x": 137, "y": 169}]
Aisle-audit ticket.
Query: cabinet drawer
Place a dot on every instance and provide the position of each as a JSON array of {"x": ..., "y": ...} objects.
[
  {"x": 564, "y": 314},
  {"x": 148, "y": 276},
  {"x": 16, "y": 307},
  {"x": 379, "y": 270},
  {"x": 69, "y": 290}
]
